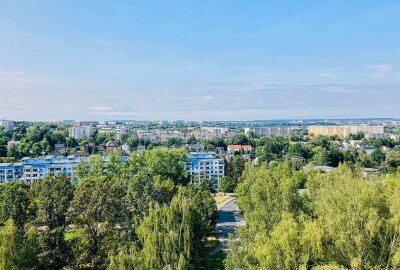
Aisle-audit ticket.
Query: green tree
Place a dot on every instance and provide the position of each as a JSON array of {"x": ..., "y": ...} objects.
[
  {"x": 16, "y": 250},
  {"x": 227, "y": 184},
  {"x": 14, "y": 203},
  {"x": 51, "y": 199},
  {"x": 96, "y": 212}
]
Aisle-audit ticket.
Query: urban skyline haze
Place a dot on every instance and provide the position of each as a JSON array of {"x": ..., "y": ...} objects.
[{"x": 199, "y": 60}]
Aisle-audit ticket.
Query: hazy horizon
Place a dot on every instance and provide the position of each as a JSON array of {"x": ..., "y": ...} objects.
[{"x": 197, "y": 60}]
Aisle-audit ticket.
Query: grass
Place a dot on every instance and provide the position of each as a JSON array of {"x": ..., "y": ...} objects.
[
  {"x": 220, "y": 199},
  {"x": 214, "y": 262}
]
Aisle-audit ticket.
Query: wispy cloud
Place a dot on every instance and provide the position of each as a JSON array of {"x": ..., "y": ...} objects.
[
  {"x": 101, "y": 108},
  {"x": 380, "y": 70},
  {"x": 207, "y": 97},
  {"x": 329, "y": 75},
  {"x": 10, "y": 72},
  {"x": 117, "y": 113}
]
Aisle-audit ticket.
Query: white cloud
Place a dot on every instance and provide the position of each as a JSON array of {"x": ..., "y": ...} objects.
[
  {"x": 10, "y": 73},
  {"x": 101, "y": 108},
  {"x": 117, "y": 113},
  {"x": 207, "y": 97},
  {"x": 380, "y": 70},
  {"x": 328, "y": 75}
]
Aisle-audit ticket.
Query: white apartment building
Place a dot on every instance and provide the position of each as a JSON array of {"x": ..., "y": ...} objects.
[
  {"x": 8, "y": 125},
  {"x": 270, "y": 131},
  {"x": 205, "y": 165},
  {"x": 81, "y": 132}
]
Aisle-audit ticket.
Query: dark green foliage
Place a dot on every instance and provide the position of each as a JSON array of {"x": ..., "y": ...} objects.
[
  {"x": 50, "y": 200},
  {"x": 14, "y": 203}
]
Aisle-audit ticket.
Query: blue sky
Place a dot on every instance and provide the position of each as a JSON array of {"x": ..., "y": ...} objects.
[{"x": 199, "y": 60}]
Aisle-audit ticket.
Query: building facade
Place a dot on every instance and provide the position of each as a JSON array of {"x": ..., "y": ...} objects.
[
  {"x": 33, "y": 169},
  {"x": 8, "y": 125},
  {"x": 270, "y": 131},
  {"x": 345, "y": 131},
  {"x": 205, "y": 165},
  {"x": 81, "y": 132}
]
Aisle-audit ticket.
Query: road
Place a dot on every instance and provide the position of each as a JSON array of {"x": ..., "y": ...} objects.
[{"x": 229, "y": 219}]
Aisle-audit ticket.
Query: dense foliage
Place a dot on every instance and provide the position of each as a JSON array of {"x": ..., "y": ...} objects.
[
  {"x": 340, "y": 221},
  {"x": 135, "y": 215}
]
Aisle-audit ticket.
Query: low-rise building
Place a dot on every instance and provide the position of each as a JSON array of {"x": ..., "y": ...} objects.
[
  {"x": 33, "y": 169},
  {"x": 232, "y": 148},
  {"x": 13, "y": 144}
]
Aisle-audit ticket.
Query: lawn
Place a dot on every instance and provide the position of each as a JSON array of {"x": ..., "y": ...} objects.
[
  {"x": 220, "y": 199},
  {"x": 214, "y": 262}
]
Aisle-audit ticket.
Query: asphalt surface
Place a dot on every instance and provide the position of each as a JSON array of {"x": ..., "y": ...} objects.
[{"x": 229, "y": 219}]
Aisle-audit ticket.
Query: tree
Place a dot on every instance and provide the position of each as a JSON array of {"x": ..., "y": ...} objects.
[
  {"x": 14, "y": 203},
  {"x": 235, "y": 168},
  {"x": 321, "y": 156},
  {"x": 95, "y": 212},
  {"x": 377, "y": 157},
  {"x": 16, "y": 250},
  {"x": 239, "y": 138},
  {"x": 333, "y": 225},
  {"x": 175, "y": 141},
  {"x": 227, "y": 184},
  {"x": 392, "y": 160},
  {"x": 165, "y": 163},
  {"x": 51, "y": 199}
]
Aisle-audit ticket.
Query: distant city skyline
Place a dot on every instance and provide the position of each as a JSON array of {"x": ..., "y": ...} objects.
[{"x": 199, "y": 60}]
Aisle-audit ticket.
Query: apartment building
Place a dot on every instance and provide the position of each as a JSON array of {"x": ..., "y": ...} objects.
[
  {"x": 205, "y": 165},
  {"x": 8, "y": 125},
  {"x": 33, "y": 169},
  {"x": 345, "y": 131},
  {"x": 215, "y": 132},
  {"x": 81, "y": 132},
  {"x": 269, "y": 131},
  {"x": 153, "y": 136}
]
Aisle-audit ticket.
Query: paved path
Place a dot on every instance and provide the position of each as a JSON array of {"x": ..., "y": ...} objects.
[{"x": 229, "y": 219}]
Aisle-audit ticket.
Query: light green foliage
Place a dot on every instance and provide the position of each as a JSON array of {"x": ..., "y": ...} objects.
[
  {"x": 16, "y": 250},
  {"x": 341, "y": 221},
  {"x": 171, "y": 235},
  {"x": 165, "y": 163}
]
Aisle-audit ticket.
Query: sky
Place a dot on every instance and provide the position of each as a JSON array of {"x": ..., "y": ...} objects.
[{"x": 199, "y": 59}]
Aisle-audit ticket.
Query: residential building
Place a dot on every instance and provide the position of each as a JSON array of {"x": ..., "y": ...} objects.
[
  {"x": 13, "y": 143},
  {"x": 69, "y": 123},
  {"x": 119, "y": 131},
  {"x": 81, "y": 132},
  {"x": 345, "y": 131},
  {"x": 205, "y": 165},
  {"x": 152, "y": 136},
  {"x": 232, "y": 148},
  {"x": 269, "y": 131},
  {"x": 215, "y": 132},
  {"x": 197, "y": 147},
  {"x": 8, "y": 125},
  {"x": 33, "y": 169}
]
